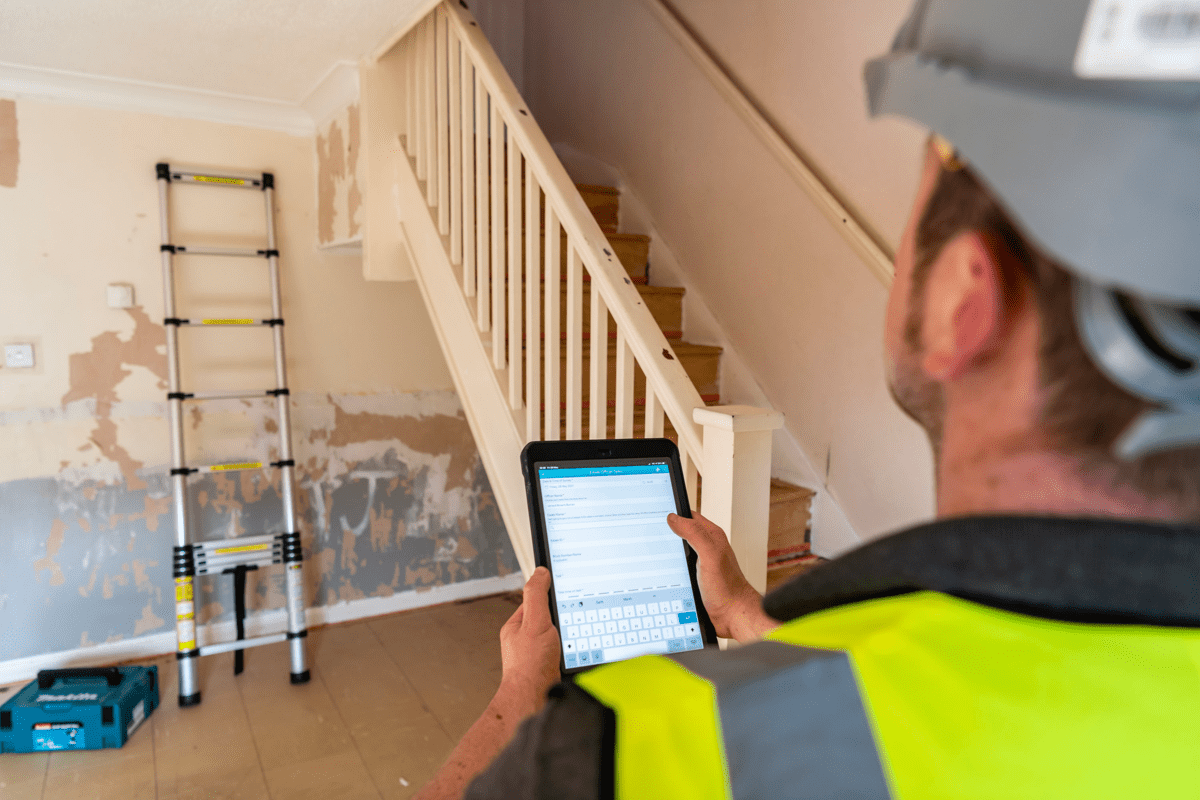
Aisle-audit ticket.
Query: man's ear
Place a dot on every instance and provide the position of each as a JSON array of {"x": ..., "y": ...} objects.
[{"x": 964, "y": 309}]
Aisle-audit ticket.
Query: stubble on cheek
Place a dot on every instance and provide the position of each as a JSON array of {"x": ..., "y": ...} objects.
[{"x": 918, "y": 396}]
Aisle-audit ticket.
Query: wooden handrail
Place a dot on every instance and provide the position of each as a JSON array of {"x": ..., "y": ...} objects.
[
  {"x": 467, "y": 134},
  {"x": 645, "y": 339},
  {"x": 876, "y": 253}
]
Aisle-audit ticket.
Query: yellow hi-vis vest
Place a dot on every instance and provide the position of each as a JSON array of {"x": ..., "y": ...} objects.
[{"x": 920, "y": 695}]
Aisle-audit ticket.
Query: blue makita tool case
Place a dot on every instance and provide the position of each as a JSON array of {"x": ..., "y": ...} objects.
[{"x": 78, "y": 709}]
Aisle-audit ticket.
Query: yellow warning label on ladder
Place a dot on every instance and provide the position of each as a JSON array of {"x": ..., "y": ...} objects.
[
  {"x": 185, "y": 614},
  {"x": 245, "y": 548},
  {"x": 215, "y": 179},
  {"x": 245, "y": 465},
  {"x": 228, "y": 321}
]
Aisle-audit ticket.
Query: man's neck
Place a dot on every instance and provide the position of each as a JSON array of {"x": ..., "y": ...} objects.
[{"x": 999, "y": 480}]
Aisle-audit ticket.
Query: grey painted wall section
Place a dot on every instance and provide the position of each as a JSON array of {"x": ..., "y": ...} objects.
[{"x": 388, "y": 502}]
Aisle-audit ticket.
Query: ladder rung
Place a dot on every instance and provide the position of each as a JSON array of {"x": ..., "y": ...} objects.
[
  {"x": 232, "y": 179},
  {"x": 218, "y": 555},
  {"x": 248, "y": 394},
  {"x": 235, "y": 467},
  {"x": 242, "y": 644},
  {"x": 214, "y": 545},
  {"x": 216, "y": 568},
  {"x": 204, "y": 250},
  {"x": 227, "y": 322}
]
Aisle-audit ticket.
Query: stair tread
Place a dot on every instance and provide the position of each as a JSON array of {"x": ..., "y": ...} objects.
[
  {"x": 783, "y": 573},
  {"x": 597, "y": 189},
  {"x": 782, "y": 492}
]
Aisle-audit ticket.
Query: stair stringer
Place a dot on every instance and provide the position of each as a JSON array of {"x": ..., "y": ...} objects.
[{"x": 481, "y": 388}]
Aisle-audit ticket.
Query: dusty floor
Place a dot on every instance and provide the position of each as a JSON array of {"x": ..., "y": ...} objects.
[{"x": 388, "y": 699}]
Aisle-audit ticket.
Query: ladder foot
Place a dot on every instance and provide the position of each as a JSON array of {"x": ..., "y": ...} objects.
[
  {"x": 189, "y": 700},
  {"x": 297, "y": 677}
]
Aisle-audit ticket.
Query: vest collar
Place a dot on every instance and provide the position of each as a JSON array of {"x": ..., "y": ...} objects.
[{"x": 1077, "y": 570}]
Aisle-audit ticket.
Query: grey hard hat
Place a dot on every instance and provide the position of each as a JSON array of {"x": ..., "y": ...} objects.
[
  {"x": 1104, "y": 174},
  {"x": 1083, "y": 118}
]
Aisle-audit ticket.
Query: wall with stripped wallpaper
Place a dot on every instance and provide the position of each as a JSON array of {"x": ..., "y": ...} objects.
[{"x": 392, "y": 496}]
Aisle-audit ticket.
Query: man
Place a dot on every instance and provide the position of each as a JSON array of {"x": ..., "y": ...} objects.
[{"x": 1040, "y": 638}]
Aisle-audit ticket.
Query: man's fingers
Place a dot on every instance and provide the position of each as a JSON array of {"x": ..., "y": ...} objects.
[
  {"x": 535, "y": 598},
  {"x": 697, "y": 531},
  {"x": 514, "y": 622}
]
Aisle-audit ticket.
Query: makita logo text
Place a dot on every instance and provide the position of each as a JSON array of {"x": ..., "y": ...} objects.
[{"x": 66, "y": 698}]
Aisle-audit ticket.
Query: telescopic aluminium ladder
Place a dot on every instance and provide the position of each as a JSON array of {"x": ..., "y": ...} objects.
[{"x": 235, "y": 556}]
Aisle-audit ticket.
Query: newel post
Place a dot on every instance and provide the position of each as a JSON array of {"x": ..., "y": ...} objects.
[{"x": 737, "y": 480}]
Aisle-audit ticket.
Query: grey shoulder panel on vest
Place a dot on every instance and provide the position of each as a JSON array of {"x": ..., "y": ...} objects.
[
  {"x": 793, "y": 721},
  {"x": 564, "y": 752}
]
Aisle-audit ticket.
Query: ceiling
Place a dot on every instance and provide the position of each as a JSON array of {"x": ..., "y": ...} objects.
[{"x": 275, "y": 50}]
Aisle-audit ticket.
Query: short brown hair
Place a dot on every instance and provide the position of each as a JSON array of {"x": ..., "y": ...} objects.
[{"x": 1082, "y": 412}]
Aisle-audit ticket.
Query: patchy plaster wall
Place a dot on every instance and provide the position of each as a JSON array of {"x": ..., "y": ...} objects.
[
  {"x": 392, "y": 497},
  {"x": 339, "y": 165},
  {"x": 10, "y": 144}
]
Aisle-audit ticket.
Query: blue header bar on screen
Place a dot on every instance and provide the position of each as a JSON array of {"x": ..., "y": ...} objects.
[{"x": 587, "y": 472}]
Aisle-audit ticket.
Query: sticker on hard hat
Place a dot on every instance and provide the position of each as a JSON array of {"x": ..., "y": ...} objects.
[{"x": 1140, "y": 39}]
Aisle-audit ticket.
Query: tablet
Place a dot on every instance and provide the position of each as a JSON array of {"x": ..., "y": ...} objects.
[{"x": 622, "y": 583}]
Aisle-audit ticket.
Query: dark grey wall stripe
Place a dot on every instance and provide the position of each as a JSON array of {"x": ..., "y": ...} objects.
[{"x": 793, "y": 722}]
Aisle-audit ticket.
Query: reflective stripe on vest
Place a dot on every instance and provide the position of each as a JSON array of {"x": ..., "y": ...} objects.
[
  {"x": 964, "y": 700},
  {"x": 763, "y": 721}
]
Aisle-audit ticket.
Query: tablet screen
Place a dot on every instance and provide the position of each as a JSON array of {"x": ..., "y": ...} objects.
[{"x": 621, "y": 577}]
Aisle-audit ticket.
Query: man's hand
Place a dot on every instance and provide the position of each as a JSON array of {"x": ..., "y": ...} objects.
[
  {"x": 529, "y": 655},
  {"x": 529, "y": 646},
  {"x": 734, "y": 607}
]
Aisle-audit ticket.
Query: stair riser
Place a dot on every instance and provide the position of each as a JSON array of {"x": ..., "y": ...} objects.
[
  {"x": 639, "y": 428},
  {"x": 632, "y": 252},
  {"x": 633, "y": 255},
  {"x": 665, "y": 307},
  {"x": 788, "y": 526},
  {"x": 702, "y": 368},
  {"x": 604, "y": 203}
]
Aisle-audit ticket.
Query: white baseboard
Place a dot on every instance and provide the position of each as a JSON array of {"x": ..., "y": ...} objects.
[{"x": 23, "y": 669}]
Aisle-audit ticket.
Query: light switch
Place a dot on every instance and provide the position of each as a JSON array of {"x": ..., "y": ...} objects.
[
  {"x": 18, "y": 356},
  {"x": 120, "y": 295}
]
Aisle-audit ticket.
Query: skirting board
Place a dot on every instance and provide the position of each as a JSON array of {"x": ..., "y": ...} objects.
[{"x": 23, "y": 669}]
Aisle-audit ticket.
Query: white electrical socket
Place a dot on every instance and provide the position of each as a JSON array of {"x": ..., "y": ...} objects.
[
  {"x": 18, "y": 356},
  {"x": 120, "y": 295}
]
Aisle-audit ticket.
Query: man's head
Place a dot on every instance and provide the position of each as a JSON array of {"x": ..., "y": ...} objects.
[
  {"x": 1041, "y": 324},
  {"x": 981, "y": 327}
]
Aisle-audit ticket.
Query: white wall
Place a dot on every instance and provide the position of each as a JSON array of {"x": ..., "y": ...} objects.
[{"x": 804, "y": 315}]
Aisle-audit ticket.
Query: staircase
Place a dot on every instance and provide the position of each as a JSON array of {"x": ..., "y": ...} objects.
[
  {"x": 665, "y": 304},
  {"x": 521, "y": 270},
  {"x": 789, "y": 526}
]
